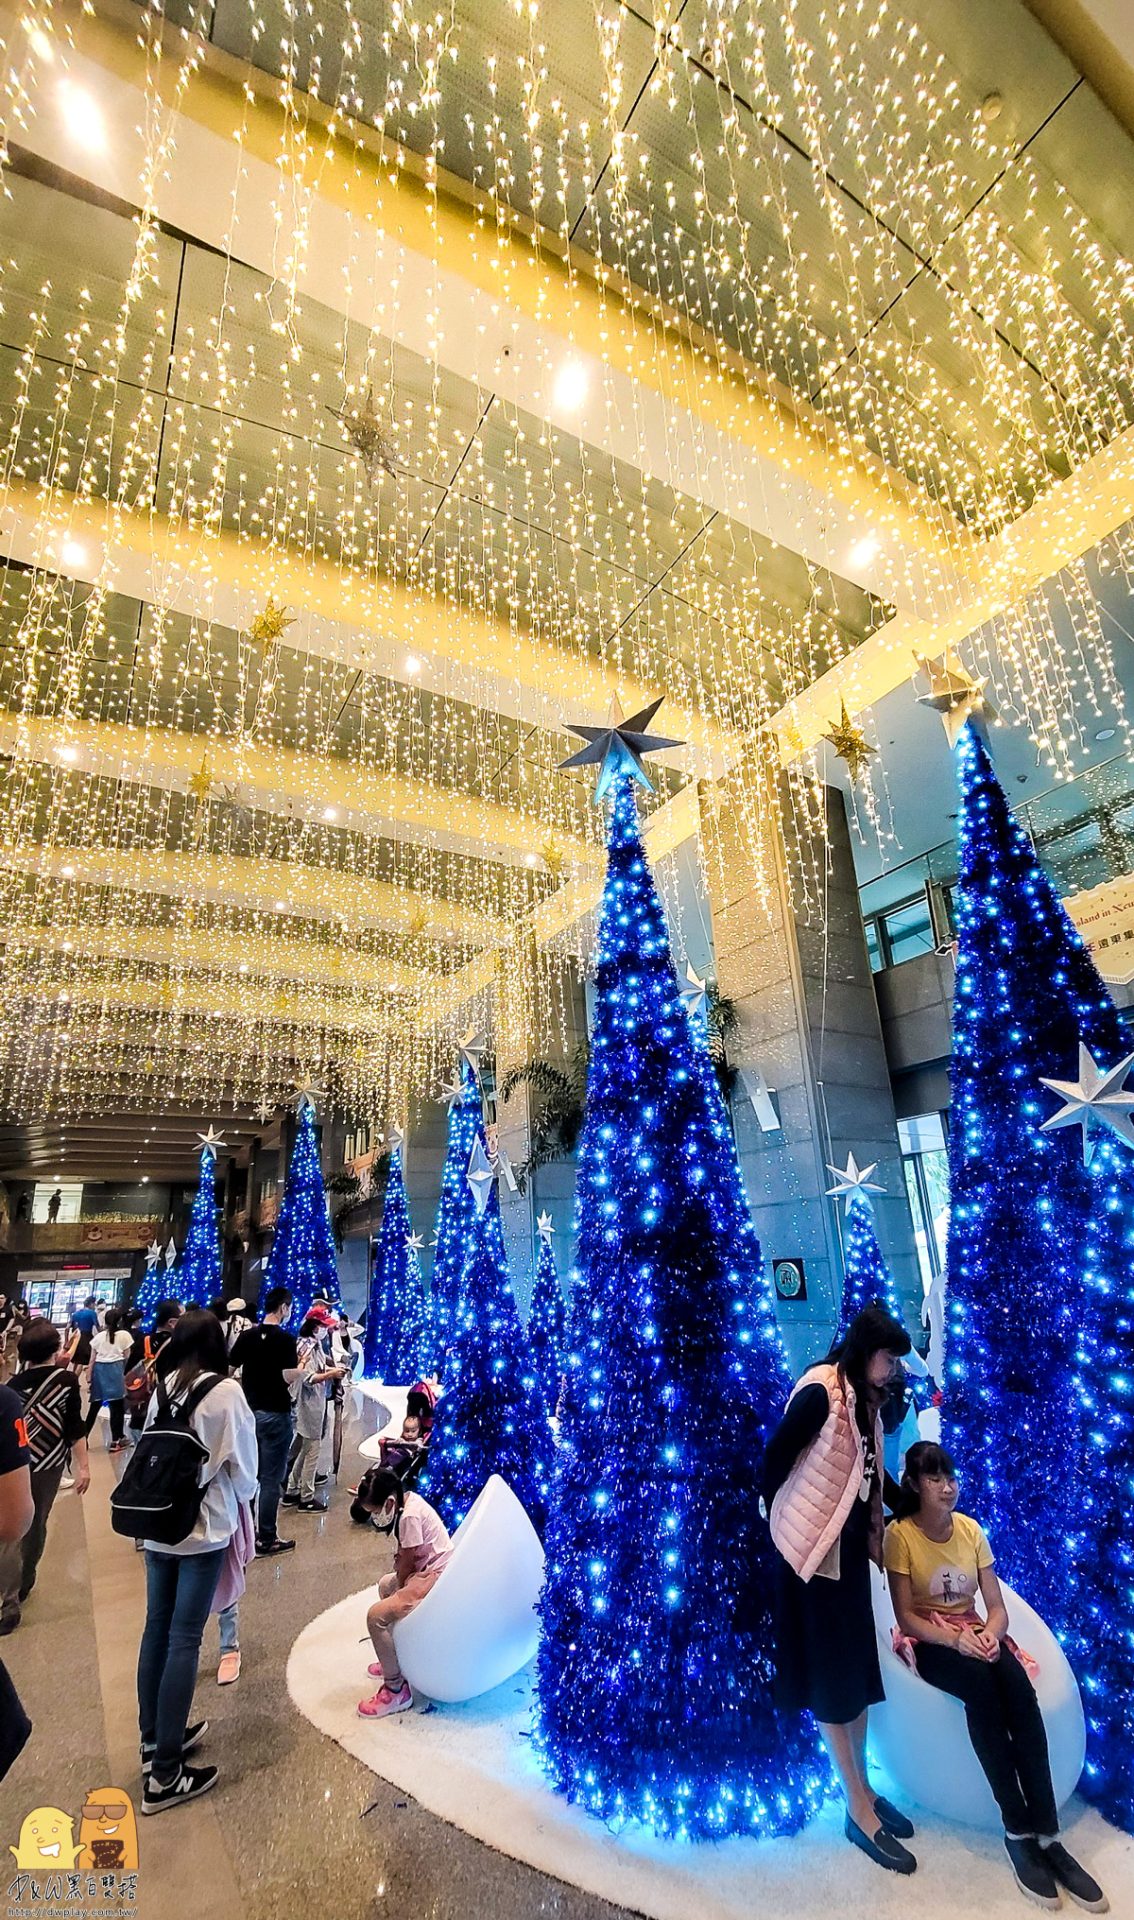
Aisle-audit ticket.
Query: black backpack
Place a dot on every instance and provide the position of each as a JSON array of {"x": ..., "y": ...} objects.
[{"x": 159, "y": 1495}]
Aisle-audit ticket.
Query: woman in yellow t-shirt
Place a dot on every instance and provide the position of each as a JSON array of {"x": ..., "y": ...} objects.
[{"x": 938, "y": 1563}]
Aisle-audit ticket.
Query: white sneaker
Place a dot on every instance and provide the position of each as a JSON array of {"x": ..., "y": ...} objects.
[{"x": 66, "y": 1483}]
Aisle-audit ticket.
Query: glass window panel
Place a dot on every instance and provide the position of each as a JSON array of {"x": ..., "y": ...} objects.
[{"x": 909, "y": 930}]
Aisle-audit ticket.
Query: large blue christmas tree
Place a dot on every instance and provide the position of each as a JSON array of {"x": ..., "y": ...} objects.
[
  {"x": 656, "y": 1652},
  {"x": 1020, "y": 1197},
  {"x": 547, "y": 1320},
  {"x": 196, "y": 1276},
  {"x": 1099, "y": 1636},
  {"x": 395, "y": 1345},
  {"x": 303, "y": 1250},
  {"x": 492, "y": 1417},
  {"x": 456, "y": 1211}
]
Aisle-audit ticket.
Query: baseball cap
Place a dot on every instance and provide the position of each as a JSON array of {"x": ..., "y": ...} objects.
[{"x": 324, "y": 1316}]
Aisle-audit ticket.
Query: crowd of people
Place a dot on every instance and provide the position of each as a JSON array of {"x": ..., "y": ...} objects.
[{"x": 238, "y": 1414}]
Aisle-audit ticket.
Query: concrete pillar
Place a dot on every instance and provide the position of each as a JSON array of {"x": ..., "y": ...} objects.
[{"x": 809, "y": 1021}]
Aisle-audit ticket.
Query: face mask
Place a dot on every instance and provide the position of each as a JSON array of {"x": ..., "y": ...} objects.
[{"x": 385, "y": 1526}]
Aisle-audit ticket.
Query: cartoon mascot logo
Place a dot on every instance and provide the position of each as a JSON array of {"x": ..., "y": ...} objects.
[{"x": 47, "y": 1839}]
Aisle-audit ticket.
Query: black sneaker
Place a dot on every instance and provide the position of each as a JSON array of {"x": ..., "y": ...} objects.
[
  {"x": 312, "y": 1506},
  {"x": 321, "y": 1479},
  {"x": 9, "y": 1619},
  {"x": 882, "y": 1848},
  {"x": 289, "y": 1499},
  {"x": 190, "y": 1784},
  {"x": 1034, "y": 1877},
  {"x": 266, "y": 1548},
  {"x": 1074, "y": 1879},
  {"x": 194, "y": 1735}
]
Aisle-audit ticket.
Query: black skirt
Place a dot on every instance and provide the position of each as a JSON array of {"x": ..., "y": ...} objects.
[{"x": 826, "y": 1650}]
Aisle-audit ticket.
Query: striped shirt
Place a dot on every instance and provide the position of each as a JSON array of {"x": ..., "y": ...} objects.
[{"x": 52, "y": 1413}]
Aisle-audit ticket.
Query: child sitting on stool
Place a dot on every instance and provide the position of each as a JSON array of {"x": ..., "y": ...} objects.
[{"x": 422, "y": 1543}]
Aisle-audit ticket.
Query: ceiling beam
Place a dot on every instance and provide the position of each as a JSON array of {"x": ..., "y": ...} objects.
[
  {"x": 422, "y": 259},
  {"x": 1066, "y": 522},
  {"x": 263, "y": 886},
  {"x": 298, "y": 785}
]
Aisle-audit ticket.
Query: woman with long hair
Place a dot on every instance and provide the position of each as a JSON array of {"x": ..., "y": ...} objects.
[
  {"x": 193, "y": 1382},
  {"x": 822, "y": 1489},
  {"x": 106, "y": 1377}
]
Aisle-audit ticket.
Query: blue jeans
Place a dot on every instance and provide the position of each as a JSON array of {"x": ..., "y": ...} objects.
[
  {"x": 273, "y": 1441},
  {"x": 228, "y": 1620},
  {"x": 179, "y": 1594}
]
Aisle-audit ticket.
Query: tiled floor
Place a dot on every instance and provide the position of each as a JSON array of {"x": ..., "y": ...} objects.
[{"x": 296, "y": 1827}]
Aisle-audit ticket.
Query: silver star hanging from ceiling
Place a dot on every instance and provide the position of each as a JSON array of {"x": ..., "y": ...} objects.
[
  {"x": 693, "y": 992},
  {"x": 474, "y": 1046},
  {"x": 153, "y": 1253},
  {"x": 480, "y": 1176},
  {"x": 210, "y": 1142},
  {"x": 451, "y": 1092},
  {"x": 265, "y": 1110},
  {"x": 415, "y": 1242},
  {"x": 1097, "y": 1099},
  {"x": 849, "y": 1181},
  {"x": 544, "y": 1227},
  {"x": 170, "y": 1251},
  {"x": 505, "y": 1170},
  {"x": 955, "y": 695},
  {"x": 618, "y": 747}
]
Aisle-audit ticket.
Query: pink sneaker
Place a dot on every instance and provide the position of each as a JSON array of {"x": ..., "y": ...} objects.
[
  {"x": 384, "y": 1702},
  {"x": 375, "y": 1670}
]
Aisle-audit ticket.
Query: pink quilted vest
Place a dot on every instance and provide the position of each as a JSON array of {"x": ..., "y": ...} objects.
[{"x": 809, "y": 1510}]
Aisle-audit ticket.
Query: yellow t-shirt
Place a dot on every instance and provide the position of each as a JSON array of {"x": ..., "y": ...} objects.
[{"x": 943, "y": 1573}]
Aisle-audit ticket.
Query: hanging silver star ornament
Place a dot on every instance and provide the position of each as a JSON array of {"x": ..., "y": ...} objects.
[
  {"x": 480, "y": 1176},
  {"x": 170, "y": 1251},
  {"x": 956, "y": 696},
  {"x": 474, "y": 1046},
  {"x": 210, "y": 1142},
  {"x": 850, "y": 1180},
  {"x": 414, "y": 1242},
  {"x": 153, "y": 1253},
  {"x": 618, "y": 748},
  {"x": 506, "y": 1171},
  {"x": 693, "y": 992},
  {"x": 1097, "y": 1099},
  {"x": 451, "y": 1092},
  {"x": 265, "y": 1110},
  {"x": 544, "y": 1227},
  {"x": 397, "y": 1139},
  {"x": 759, "y": 1093}
]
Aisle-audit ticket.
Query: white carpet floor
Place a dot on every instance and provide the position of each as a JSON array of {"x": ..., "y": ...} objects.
[{"x": 473, "y": 1767}]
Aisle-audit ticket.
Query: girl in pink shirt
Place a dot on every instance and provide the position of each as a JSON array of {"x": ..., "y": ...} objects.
[{"x": 423, "y": 1549}]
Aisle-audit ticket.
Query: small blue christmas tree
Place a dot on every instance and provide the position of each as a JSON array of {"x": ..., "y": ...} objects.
[
  {"x": 303, "y": 1250},
  {"x": 456, "y": 1211},
  {"x": 491, "y": 1417},
  {"x": 655, "y": 1660},
  {"x": 196, "y": 1276},
  {"x": 867, "y": 1279},
  {"x": 152, "y": 1288},
  {"x": 394, "y": 1349},
  {"x": 1020, "y": 1197},
  {"x": 1099, "y": 1639},
  {"x": 547, "y": 1320}
]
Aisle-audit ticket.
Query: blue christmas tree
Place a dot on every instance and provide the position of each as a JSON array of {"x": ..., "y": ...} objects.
[
  {"x": 492, "y": 1417},
  {"x": 1099, "y": 1636},
  {"x": 547, "y": 1320},
  {"x": 152, "y": 1288},
  {"x": 303, "y": 1250},
  {"x": 456, "y": 1211},
  {"x": 867, "y": 1279},
  {"x": 1026, "y": 992},
  {"x": 656, "y": 1654},
  {"x": 196, "y": 1276},
  {"x": 394, "y": 1348}
]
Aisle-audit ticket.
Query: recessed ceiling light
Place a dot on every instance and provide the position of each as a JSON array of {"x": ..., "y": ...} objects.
[
  {"x": 279, "y": 907},
  {"x": 864, "y": 551},
  {"x": 68, "y": 946},
  {"x": 145, "y": 1179},
  {"x": 1106, "y": 733},
  {"x": 530, "y": 859},
  {"x": 67, "y": 872},
  {"x": 330, "y": 813},
  {"x": 40, "y": 41},
  {"x": 83, "y": 116},
  {"x": 68, "y": 753},
  {"x": 413, "y": 664},
  {"x": 570, "y": 388},
  {"x": 73, "y": 553}
]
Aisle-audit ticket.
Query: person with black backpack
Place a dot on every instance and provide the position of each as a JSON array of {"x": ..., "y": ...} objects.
[{"x": 181, "y": 1494}]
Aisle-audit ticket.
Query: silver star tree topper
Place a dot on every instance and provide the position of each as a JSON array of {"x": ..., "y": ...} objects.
[
  {"x": 619, "y": 747},
  {"x": 544, "y": 1227},
  {"x": 851, "y": 1180},
  {"x": 1096, "y": 1100},
  {"x": 955, "y": 695},
  {"x": 211, "y": 1141}
]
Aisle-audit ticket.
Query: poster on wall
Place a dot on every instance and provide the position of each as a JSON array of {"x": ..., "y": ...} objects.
[{"x": 1104, "y": 915}]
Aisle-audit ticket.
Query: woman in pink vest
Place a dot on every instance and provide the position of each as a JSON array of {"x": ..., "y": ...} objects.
[{"x": 823, "y": 1494}]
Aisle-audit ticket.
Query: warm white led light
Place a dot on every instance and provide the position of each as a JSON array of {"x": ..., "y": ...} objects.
[
  {"x": 73, "y": 553},
  {"x": 70, "y": 754},
  {"x": 569, "y": 389},
  {"x": 413, "y": 664},
  {"x": 330, "y": 814},
  {"x": 83, "y": 117},
  {"x": 864, "y": 551}
]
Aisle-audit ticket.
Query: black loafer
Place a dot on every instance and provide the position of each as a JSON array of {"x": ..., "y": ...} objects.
[
  {"x": 1074, "y": 1879},
  {"x": 894, "y": 1821},
  {"x": 883, "y": 1849},
  {"x": 1034, "y": 1876}
]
